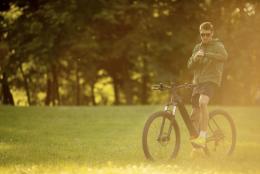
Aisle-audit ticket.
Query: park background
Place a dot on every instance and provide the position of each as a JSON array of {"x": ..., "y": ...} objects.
[
  {"x": 86, "y": 52},
  {"x": 95, "y": 61}
]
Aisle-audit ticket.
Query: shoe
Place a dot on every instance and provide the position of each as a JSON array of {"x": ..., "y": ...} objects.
[{"x": 199, "y": 142}]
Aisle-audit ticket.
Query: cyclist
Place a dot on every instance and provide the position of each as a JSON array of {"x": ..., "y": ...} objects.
[{"x": 206, "y": 63}]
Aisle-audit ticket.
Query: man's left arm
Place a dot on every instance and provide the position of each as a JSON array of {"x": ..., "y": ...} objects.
[{"x": 219, "y": 53}]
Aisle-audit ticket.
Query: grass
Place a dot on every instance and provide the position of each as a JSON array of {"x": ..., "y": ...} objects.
[{"x": 108, "y": 140}]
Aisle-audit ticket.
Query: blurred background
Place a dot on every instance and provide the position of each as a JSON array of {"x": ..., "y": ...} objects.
[{"x": 110, "y": 52}]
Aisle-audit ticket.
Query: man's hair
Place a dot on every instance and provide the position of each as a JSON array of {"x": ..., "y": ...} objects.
[{"x": 206, "y": 26}]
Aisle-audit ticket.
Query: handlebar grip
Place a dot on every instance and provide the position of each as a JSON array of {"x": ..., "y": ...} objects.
[
  {"x": 154, "y": 87},
  {"x": 158, "y": 87}
]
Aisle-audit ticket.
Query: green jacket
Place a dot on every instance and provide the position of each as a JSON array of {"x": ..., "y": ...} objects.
[{"x": 209, "y": 68}]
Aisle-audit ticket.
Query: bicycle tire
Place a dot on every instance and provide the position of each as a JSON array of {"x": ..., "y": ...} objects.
[
  {"x": 175, "y": 129},
  {"x": 232, "y": 127}
]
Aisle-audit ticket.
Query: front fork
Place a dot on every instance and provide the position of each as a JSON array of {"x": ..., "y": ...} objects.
[
  {"x": 172, "y": 112},
  {"x": 166, "y": 137}
]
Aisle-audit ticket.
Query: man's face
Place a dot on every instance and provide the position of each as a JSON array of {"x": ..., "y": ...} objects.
[{"x": 206, "y": 36}]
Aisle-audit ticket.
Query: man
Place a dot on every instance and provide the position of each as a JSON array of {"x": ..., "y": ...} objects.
[{"x": 206, "y": 62}]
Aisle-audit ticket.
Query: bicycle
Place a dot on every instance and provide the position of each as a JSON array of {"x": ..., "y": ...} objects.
[{"x": 161, "y": 133}]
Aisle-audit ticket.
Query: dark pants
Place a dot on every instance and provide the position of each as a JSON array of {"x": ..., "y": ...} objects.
[{"x": 207, "y": 88}]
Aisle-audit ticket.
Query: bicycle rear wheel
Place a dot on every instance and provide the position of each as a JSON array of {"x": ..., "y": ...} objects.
[
  {"x": 161, "y": 137},
  {"x": 221, "y": 139}
]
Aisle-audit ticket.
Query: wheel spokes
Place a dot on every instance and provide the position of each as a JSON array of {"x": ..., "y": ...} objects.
[
  {"x": 219, "y": 140},
  {"x": 160, "y": 141}
]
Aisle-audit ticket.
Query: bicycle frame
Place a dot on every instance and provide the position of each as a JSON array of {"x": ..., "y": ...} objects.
[
  {"x": 176, "y": 102},
  {"x": 167, "y": 124}
]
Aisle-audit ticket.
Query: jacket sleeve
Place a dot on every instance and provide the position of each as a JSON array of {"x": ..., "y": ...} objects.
[
  {"x": 191, "y": 63},
  {"x": 219, "y": 54}
]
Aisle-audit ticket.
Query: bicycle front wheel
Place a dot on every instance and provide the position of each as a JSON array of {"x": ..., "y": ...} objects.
[
  {"x": 161, "y": 137},
  {"x": 221, "y": 139}
]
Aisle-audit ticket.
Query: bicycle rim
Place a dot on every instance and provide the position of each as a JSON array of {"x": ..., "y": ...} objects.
[
  {"x": 161, "y": 137},
  {"x": 221, "y": 134}
]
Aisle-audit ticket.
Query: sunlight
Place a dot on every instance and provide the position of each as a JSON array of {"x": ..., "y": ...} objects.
[{"x": 5, "y": 146}]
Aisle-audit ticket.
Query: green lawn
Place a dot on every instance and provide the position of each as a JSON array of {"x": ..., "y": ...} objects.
[{"x": 108, "y": 140}]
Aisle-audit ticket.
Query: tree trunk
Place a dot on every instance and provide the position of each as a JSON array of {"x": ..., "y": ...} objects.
[
  {"x": 77, "y": 85},
  {"x": 145, "y": 79},
  {"x": 128, "y": 89},
  {"x": 7, "y": 95},
  {"x": 55, "y": 86},
  {"x": 116, "y": 90},
  {"x": 48, "y": 98},
  {"x": 92, "y": 86},
  {"x": 26, "y": 85},
  {"x": 128, "y": 93}
]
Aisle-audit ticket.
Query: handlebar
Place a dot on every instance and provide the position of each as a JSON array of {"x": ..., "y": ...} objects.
[{"x": 162, "y": 86}]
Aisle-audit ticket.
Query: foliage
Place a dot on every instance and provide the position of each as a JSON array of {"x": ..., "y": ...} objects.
[{"x": 63, "y": 52}]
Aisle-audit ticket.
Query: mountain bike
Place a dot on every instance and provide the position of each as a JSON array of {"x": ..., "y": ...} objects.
[{"x": 161, "y": 133}]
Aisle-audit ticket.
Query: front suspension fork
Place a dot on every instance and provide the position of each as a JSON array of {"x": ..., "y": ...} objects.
[{"x": 166, "y": 109}]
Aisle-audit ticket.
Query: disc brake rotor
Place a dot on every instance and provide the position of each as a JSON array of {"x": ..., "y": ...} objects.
[{"x": 164, "y": 139}]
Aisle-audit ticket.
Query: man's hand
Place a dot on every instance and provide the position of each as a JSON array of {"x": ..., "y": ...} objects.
[
  {"x": 200, "y": 53},
  {"x": 198, "y": 56}
]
